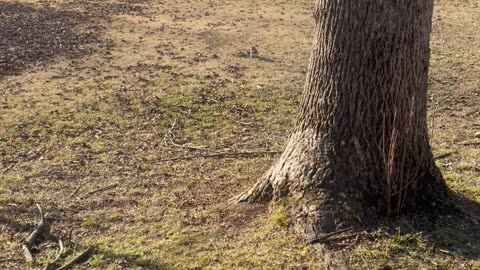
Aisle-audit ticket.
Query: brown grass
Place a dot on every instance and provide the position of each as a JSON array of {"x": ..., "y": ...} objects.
[{"x": 164, "y": 74}]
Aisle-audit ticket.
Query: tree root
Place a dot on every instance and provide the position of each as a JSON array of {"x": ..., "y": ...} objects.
[{"x": 262, "y": 191}]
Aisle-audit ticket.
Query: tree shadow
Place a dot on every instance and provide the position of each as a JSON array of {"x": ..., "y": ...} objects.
[
  {"x": 11, "y": 225},
  {"x": 14, "y": 218},
  {"x": 265, "y": 59},
  {"x": 452, "y": 229},
  {"x": 122, "y": 260},
  {"x": 449, "y": 229},
  {"x": 127, "y": 261},
  {"x": 33, "y": 35}
]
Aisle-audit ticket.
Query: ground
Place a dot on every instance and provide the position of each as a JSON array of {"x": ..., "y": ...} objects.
[{"x": 98, "y": 94}]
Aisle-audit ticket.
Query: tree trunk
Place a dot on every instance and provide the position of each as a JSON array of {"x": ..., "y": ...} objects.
[{"x": 360, "y": 148}]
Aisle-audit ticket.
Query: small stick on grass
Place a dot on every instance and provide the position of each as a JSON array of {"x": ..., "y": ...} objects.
[
  {"x": 52, "y": 264},
  {"x": 82, "y": 257},
  {"x": 470, "y": 143},
  {"x": 191, "y": 147},
  {"x": 223, "y": 155},
  {"x": 444, "y": 251},
  {"x": 69, "y": 239},
  {"x": 9, "y": 168},
  {"x": 99, "y": 190},
  {"x": 328, "y": 235},
  {"x": 442, "y": 156},
  {"x": 75, "y": 191}
]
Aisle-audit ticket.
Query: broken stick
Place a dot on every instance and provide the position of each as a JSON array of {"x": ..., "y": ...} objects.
[
  {"x": 40, "y": 229},
  {"x": 223, "y": 155},
  {"x": 328, "y": 235},
  {"x": 75, "y": 191},
  {"x": 82, "y": 257},
  {"x": 99, "y": 190},
  {"x": 42, "y": 226},
  {"x": 52, "y": 264}
]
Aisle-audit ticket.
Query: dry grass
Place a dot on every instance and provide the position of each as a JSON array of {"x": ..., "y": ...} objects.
[{"x": 164, "y": 74}]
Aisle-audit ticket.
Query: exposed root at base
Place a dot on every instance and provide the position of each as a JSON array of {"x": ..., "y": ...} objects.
[{"x": 262, "y": 191}]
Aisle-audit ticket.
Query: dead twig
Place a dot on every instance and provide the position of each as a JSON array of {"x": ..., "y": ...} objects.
[
  {"x": 328, "y": 235},
  {"x": 52, "y": 264},
  {"x": 244, "y": 123},
  {"x": 442, "y": 156},
  {"x": 82, "y": 257},
  {"x": 221, "y": 155},
  {"x": 75, "y": 191},
  {"x": 448, "y": 252},
  {"x": 163, "y": 210},
  {"x": 170, "y": 134},
  {"x": 69, "y": 239},
  {"x": 99, "y": 190},
  {"x": 42, "y": 226},
  {"x": 40, "y": 229},
  {"x": 191, "y": 147},
  {"x": 9, "y": 168},
  {"x": 470, "y": 143}
]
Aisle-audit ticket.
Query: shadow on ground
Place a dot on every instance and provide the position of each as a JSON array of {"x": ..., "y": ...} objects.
[
  {"x": 442, "y": 235},
  {"x": 18, "y": 221},
  {"x": 451, "y": 230},
  {"x": 32, "y": 35},
  {"x": 129, "y": 262}
]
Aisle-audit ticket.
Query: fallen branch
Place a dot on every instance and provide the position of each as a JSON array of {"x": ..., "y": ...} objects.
[
  {"x": 53, "y": 263},
  {"x": 328, "y": 235},
  {"x": 42, "y": 228},
  {"x": 99, "y": 190},
  {"x": 191, "y": 147},
  {"x": 221, "y": 155},
  {"x": 82, "y": 257}
]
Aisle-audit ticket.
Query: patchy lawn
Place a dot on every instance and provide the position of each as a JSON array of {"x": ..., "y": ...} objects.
[{"x": 101, "y": 93}]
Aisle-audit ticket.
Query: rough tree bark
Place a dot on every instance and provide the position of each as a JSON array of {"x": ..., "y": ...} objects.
[{"x": 360, "y": 148}]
